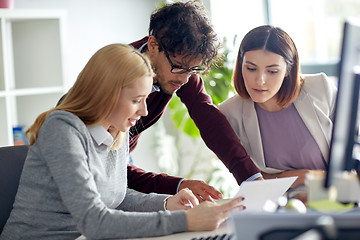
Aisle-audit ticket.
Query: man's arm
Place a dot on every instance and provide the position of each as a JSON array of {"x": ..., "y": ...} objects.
[
  {"x": 215, "y": 130},
  {"x": 147, "y": 182}
]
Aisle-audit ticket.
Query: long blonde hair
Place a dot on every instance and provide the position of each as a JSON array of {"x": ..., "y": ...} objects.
[{"x": 97, "y": 88}]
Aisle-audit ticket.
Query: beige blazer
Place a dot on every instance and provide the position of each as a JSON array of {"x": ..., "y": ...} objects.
[{"x": 315, "y": 104}]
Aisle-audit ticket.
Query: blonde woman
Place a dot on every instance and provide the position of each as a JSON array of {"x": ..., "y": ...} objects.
[{"x": 74, "y": 178}]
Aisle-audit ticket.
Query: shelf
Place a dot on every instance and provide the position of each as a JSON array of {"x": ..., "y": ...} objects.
[
  {"x": 32, "y": 91},
  {"x": 4, "y": 136},
  {"x": 32, "y": 72},
  {"x": 36, "y": 91},
  {"x": 27, "y": 112},
  {"x": 43, "y": 59},
  {"x": 28, "y": 14}
]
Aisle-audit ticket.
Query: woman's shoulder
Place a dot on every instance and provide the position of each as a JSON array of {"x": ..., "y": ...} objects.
[
  {"x": 62, "y": 127},
  {"x": 320, "y": 87},
  {"x": 318, "y": 83},
  {"x": 236, "y": 99},
  {"x": 318, "y": 79},
  {"x": 229, "y": 103},
  {"x": 64, "y": 115},
  {"x": 64, "y": 118},
  {"x": 234, "y": 106}
]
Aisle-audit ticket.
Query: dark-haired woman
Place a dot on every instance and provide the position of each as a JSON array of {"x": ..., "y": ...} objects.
[{"x": 282, "y": 118}]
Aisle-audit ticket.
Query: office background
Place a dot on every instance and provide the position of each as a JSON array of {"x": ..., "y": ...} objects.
[{"x": 315, "y": 27}]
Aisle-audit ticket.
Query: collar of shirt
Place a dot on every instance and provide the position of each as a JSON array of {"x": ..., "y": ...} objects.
[
  {"x": 100, "y": 135},
  {"x": 155, "y": 88},
  {"x": 142, "y": 47}
]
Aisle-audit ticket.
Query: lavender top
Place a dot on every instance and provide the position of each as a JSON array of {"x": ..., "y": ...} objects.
[{"x": 286, "y": 140}]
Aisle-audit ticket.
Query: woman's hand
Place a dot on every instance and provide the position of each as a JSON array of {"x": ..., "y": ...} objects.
[
  {"x": 183, "y": 200},
  {"x": 209, "y": 215}
]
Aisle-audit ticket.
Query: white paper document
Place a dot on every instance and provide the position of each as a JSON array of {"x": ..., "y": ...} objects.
[{"x": 256, "y": 193}]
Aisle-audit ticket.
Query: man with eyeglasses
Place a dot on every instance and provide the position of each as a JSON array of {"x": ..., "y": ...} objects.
[{"x": 182, "y": 43}]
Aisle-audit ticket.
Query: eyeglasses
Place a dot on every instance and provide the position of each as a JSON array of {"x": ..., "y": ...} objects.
[{"x": 176, "y": 69}]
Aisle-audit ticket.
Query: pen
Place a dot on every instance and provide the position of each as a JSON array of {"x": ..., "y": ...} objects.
[{"x": 189, "y": 204}]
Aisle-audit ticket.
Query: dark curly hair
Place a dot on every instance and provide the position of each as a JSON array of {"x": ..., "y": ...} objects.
[{"x": 183, "y": 28}]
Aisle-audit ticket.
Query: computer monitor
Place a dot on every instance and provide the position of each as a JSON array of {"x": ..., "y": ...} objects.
[{"x": 345, "y": 133}]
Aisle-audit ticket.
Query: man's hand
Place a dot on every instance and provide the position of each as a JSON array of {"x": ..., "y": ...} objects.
[{"x": 201, "y": 190}]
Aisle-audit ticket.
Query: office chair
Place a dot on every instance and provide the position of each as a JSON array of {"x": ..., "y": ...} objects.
[{"x": 11, "y": 164}]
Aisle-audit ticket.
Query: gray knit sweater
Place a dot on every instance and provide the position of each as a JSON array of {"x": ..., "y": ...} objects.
[{"x": 70, "y": 185}]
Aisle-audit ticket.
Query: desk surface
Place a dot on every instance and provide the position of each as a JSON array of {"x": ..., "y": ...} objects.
[{"x": 183, "y": 236}]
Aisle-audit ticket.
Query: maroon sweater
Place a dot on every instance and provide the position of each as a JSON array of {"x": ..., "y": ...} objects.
[{"x": 212, "y": 124}]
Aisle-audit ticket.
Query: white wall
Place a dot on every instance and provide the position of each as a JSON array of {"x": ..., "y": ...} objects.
[{"x": 92, "y": 24}]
